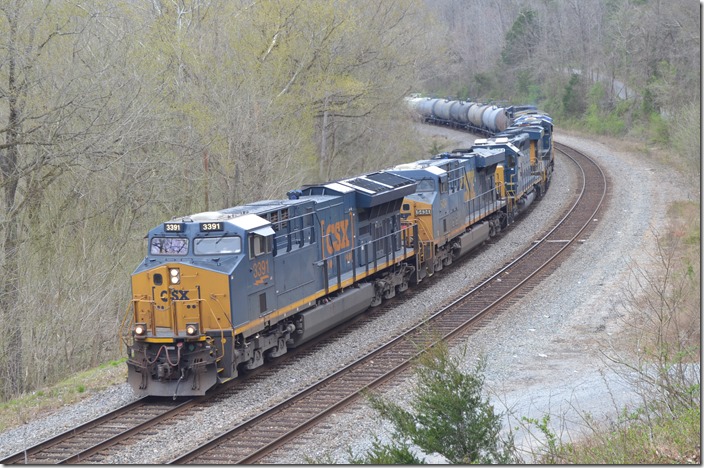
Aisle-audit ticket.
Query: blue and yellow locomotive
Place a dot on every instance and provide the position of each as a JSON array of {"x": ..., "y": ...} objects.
[
  {"x": 456, "y": 205},
  {"x": 222, "y": 291},
  {"x": 226, "y": 289}
]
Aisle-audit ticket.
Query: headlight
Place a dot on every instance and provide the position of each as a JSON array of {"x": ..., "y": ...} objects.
[
  {"x": 175, "y": 276},
  {"x": 140, "y": 329},
  {"x": 191, "y": 329}
]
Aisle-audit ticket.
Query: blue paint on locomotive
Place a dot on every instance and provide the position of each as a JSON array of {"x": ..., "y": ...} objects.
[
  {"x": 295, "y": 250},
  {"x": 459, "y": 186}
]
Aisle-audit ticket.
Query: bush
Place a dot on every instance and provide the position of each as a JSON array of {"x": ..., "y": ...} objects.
[{"x": 449, "y": 416}]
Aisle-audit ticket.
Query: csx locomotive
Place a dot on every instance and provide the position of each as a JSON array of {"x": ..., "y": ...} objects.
[{"x": 221, "y": 292}]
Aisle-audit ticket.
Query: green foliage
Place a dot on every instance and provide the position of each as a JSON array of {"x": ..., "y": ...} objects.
[
  {"x": 685, "y": 135},
  {"x": 388, "y": 454},
  {"x": 659, "y": 129},
  {"x": 527, "y": 89},
  {"x": 448, "y": 416},
  {"x": 485, "y": 83},
  {"x": 661, "y": 440},
  {"x": 553, "y": 450},
  {"x": 437, "y": 147},
  {"x": 518, "y": 47},
  {"x": 573, "y": 104},
  {"x": 599, "y": 120},
  {"x": 73, "y": 389}
]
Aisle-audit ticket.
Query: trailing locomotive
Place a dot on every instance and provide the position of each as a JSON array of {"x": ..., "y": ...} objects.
[{"x": 220, "y": 292}]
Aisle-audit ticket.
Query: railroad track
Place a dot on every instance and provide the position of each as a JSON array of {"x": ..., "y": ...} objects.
[
  {"x": 92, "y": 442},
  {"x": 257, "y": 437},
  {"x": 85, "y": 439}
]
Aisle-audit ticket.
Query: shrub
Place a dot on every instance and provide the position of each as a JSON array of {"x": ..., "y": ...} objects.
[{"x": 449, "y": 416}]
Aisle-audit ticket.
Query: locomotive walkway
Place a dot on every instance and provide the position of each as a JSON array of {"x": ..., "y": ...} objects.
[{"x": 253, "y": 439}]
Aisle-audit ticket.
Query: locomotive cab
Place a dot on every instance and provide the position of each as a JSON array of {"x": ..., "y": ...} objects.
[{"x": 182, "y": 303}]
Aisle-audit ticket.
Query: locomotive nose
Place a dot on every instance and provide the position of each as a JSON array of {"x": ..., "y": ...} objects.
[{"x": 177, "y": 300}]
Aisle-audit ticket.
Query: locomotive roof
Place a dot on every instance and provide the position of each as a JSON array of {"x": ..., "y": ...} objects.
[
  {"x": 483, "y": 157},
  {"x": 241, "y": 215},
  {"x": 540, "y": 119},
  {"x": 501, "y": 141},
  {"x": 370, "y": 189},
  {"x": 374, "y": 182}
]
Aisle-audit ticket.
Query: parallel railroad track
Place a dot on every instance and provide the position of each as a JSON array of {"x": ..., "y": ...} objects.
[
  {"x": 256, "y": 438},
  {"x": 91, "y": 442}
]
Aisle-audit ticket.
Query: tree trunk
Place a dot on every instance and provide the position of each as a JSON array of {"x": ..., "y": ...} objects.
[{"x": 9, "y": 277}]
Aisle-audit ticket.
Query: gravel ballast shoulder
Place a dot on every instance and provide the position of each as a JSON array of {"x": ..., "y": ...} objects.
[{"x": 542, "y": 356}]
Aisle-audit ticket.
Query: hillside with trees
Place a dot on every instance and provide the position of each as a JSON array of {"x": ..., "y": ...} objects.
[{"x": 118, "y": 115}]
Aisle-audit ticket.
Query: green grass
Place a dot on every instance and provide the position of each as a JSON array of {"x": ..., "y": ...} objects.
[
  {"x": 71, "y": 390},
  {"x": 663, "y": 440}
]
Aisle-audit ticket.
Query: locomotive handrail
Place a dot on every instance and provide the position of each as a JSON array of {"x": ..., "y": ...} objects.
[
  {"x": 390, "y": 249},
  {"x": 126, "y": 323}
]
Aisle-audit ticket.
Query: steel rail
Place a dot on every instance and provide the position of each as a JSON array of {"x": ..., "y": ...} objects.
[{"x": 199, "y": 455}]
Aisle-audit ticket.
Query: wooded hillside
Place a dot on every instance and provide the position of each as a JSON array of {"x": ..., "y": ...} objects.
[{"x": 118, "y": 115}]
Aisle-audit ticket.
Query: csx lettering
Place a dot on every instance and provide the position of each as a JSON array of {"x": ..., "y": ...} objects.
[
  {"x": 337, "y": 236},
  {"x": 176, "y": 295}
]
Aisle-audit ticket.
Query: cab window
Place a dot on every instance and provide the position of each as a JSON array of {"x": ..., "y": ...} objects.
[
  {"x": 259, "y": 245},
  {"x": 168, "y": 246},
  {"x": 217, "y": 245}
]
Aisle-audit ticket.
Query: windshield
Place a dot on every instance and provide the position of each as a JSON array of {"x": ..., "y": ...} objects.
[
  {"x": 168, "y": 246},
  {"x": 425, "y": 185},
  {"x": 217, "y": 245}
]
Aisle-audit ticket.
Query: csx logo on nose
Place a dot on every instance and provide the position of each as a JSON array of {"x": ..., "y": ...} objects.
[{"x": 176, "y": 295}]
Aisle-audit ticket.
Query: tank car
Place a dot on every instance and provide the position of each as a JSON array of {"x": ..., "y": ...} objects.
[{"x": 222, "y": 291}]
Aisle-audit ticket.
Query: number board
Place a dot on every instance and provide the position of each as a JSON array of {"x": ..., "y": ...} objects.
[
  {"x": 174, "y": 227},
  {"x": 209, "y": 227}
]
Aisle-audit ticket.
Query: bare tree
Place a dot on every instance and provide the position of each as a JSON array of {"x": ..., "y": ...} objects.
[
  {"x": 67, "y": 112},
  {"x": 661, "y": 308}
]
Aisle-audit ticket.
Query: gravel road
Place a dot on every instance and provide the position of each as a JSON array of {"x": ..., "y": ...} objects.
[{"x": 543, "y": 355}]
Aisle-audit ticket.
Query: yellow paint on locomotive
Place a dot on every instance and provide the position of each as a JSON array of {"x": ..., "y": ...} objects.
[
  {"x": 499, "y": 181},
  {"x": 467, "y": 184},
  {"x": 533, "y": 153},
  {"x": 421, "y": 214},
  {"x": 199, "y": 296}
]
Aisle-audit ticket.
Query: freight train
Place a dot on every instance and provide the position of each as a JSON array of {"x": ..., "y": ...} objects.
[
  {"x": 221, "y": 292},
  {"x": 477, "y": 117}
]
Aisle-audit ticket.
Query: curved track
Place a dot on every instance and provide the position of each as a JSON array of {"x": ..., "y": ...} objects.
[
  {"x": 262, "y": 434},
  {"x": 254, "y": 439}
]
